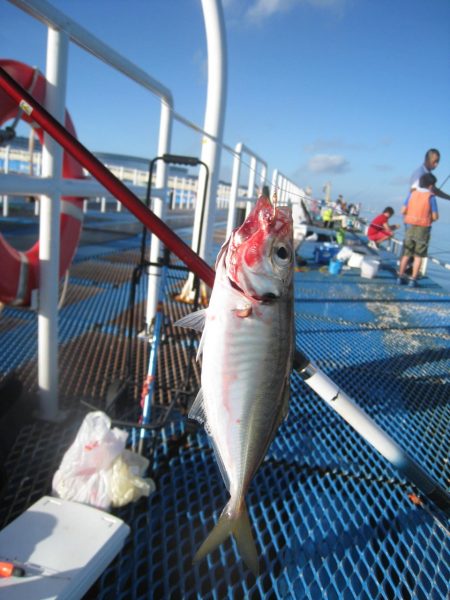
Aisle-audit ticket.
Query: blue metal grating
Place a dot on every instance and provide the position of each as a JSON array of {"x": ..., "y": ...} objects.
[
  {"x": 321, "y": 533},
  {"x": 331, "y": 517}
]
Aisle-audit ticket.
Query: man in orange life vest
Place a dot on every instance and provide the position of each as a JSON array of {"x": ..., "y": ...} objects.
[{"x": 419, "y": 210}]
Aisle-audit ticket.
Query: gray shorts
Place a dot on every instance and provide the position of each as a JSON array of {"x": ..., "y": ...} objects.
[{"x": 416, "y": 241}]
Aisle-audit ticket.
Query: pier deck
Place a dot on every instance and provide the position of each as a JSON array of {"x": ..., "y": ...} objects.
[{"x": 331, "y": 517}]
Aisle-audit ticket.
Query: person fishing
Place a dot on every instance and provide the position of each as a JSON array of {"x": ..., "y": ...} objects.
[
  {"x": 327, "y": 217},
  {"x": 420, "y": 211},
  {"x": 379, "y": 229},
  {"x": 431, "y": 161}
]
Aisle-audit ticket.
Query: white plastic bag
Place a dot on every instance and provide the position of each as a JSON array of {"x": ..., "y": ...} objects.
[
  {"x": 85, "y": 471},
  {"x": 126, "y": 483}
]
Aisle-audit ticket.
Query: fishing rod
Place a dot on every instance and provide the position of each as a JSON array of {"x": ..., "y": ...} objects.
[
  {"x": 310, "y": 373},
  {"x": 445, "y": 181},
  {"x": 338, "y": 400}
]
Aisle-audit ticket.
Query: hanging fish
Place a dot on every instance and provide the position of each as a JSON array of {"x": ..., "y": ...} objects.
[{"x": 247, "y": 347}]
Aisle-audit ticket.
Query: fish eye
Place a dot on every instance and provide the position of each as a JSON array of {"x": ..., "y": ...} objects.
[{"x": 282, "y": 255}]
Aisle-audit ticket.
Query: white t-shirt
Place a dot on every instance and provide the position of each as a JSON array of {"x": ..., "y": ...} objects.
[{"x": 415, "y": 177}]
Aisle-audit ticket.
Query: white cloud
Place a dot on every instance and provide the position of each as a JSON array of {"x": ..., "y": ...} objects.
[
  {"x": 328, "y": 163},
  {"x": 260, "y": 9},
  {"x": 266, "y": 8},
  {"x": 336, "y": 143}
]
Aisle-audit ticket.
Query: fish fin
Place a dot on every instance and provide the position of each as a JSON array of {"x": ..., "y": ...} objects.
[
  {"x": 195, "y": 320},
  {"x": 219, "y": 460},
  {"x": 197, "y": 410},
  {"x": 197, "y": 413},
  {"x": 238, "y": 526},
  {"x": 244, "y": 539},
  {"x": 200, "y": 346},
  {"x": 221, "y": 252}
]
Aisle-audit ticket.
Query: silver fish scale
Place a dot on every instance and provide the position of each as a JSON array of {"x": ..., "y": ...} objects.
[{"x": 253, "y": 363}]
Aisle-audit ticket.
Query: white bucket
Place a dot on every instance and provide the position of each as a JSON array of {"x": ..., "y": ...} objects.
[
  {"x": 369, "y": 268},
  {"x": 344, "y": 253},
  {"x": 355, "y": 260}
]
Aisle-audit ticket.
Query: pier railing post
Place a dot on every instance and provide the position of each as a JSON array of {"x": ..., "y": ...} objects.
[
  {"x": 213, "y": 124},
  {"x": 165, "y": 132},
  {"x": 231, "y": 221},
  {"x": 49, "y": 244}
]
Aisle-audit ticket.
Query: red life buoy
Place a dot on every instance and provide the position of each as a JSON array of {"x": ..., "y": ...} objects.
[{"x": 20, "y": 270}]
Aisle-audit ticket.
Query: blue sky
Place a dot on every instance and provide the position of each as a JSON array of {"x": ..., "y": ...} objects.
[{"x": 347, "y": 91}]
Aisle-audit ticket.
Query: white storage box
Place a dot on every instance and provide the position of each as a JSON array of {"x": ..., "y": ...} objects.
[
  {"x": 63, "y": 547},
  {"x": 369, "y": 268},
  {"x": 355, "y": 260},
  {"x": 344, "y": 253}
]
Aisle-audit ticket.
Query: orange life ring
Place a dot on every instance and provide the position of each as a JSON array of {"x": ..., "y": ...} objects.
[{"x": 20, "y": 270}]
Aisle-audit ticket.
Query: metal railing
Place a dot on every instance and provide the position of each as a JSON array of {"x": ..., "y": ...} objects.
[{"x": 240, "y": 149}]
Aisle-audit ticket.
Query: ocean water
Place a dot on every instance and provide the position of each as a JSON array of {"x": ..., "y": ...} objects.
[{"x": 440, "y": 248}]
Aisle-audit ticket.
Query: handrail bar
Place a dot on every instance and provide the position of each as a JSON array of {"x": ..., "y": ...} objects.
[
  {"x": 32, "y": 185},
  {"x": 47, "y": 13}
]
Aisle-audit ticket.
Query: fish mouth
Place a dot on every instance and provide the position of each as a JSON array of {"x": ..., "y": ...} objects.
[{"x": 267, "y": 298}]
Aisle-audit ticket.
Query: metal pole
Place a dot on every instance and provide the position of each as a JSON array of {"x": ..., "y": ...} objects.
[
  {"x": 149, "y": 388},
  {"x": 263, "y": 176},
  {"x": 213, "y": 124},
  {"x": 231, "y": 221},
  {"x": 52, "y": 160},
  {"x": 251, "y": 178},
  {"x": 165, "y": 131}
]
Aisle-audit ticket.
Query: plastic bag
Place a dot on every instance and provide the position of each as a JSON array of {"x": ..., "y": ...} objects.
[
  {"x": 84, "y": 474},
  {"x": 126, "y": 483}
]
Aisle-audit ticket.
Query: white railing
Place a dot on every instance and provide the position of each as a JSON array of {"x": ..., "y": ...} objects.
[
  {"x": 61, "y": 31},
  {"x": 241, "y": 149},
  {"x": 284, "y": 187},
  {"x": 182, "y": 191}
]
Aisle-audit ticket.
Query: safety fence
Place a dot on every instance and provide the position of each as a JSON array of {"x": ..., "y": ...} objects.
[{"x": 182, "y": 189}]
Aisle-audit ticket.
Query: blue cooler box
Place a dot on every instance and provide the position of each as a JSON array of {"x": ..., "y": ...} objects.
[{"x": 324, "y": 252}]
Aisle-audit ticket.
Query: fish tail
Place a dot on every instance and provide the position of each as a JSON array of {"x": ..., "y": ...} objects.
[{"x": 238, "y": 525}]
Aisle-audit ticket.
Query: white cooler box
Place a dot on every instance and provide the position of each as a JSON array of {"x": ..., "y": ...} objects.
[{"x": 63, "y": 547}]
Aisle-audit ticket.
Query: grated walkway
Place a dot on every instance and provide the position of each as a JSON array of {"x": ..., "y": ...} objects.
[{"x": 332, "y": 519}]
